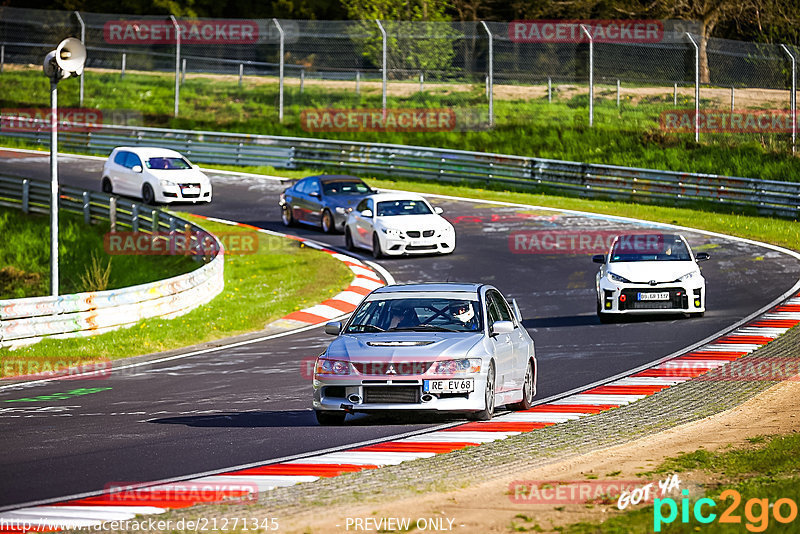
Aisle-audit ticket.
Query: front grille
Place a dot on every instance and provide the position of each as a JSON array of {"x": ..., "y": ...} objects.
[
  {"x": 678, "y": 300},
  {"x": 427, "y": 233},
  {"x": 421, "y": 247},
  {"x": 392, "y": 369},
  {"x": 391, "y": 394},
  {"x": 413, "y": 233},
  {"x": 334, "y": 391}
]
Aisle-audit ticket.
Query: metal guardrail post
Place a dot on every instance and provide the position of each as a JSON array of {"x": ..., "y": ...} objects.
[
  {"x": 112, "y": 213},
  {"x": 135, "y": 218},
  {"x": 54, "y": 188},
  {"x": 302, "y": 80},
  {"x": 2, "y": 58},
  {"x": 241, "y": 73},
  {"x": 26, "y": 195},
  {"x": 549, "y": 90},
  {"x": 491, "y": 73},
  {"x": 122, "y": 70},
  {"x": 83, "y": 40},
  {"x": 675, "y": 96},
  {"x": 591, "y": 74},
  {"x": 793, "y": 97},
  {"x": 358, "y": 82},
  {"x": 383, "y": 67},
  {"x": 183, "y": 70},
  {"x": 280, "y": 71},
  {"x": 618, "y": 93},
  {"x": 154, "y": 221},
  {"x": 87, "y": 208},
  {"x": 696, "y": 87},
  {"x": 732, "y": 98},
  {"x": 177, "y": 61}
]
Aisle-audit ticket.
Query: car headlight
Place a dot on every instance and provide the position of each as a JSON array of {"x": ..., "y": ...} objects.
[
  {"x": 331, "y": 367},
  {"x": 340, "y": 210},
  {"x": 393, "y": 232},
  {"x": 618, "y": 278},
  {"x": 167, "y": 183},
  {"x": 454, "y": 367},
  {"x": 688, "y": 276}
]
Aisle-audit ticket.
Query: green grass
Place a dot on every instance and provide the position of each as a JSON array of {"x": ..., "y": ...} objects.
[
  {"x": 281, "y": 277},
  {"x": 25, "y": 257},
  {"x": 767, "y": 471},
  {"x": 628, "y": 136}
]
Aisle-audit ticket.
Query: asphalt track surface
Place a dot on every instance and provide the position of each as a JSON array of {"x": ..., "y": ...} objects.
[{"x": 252, "y": 403}]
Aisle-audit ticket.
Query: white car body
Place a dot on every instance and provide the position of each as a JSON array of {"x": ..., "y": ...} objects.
[
  {"x": 430, "y": 360},
  {"x": 650, "y": 274},
  {"x": 418, "y": 228},
  {"x": 156, "y": 175}
]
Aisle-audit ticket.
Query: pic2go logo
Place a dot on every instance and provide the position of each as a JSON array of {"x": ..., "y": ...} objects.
[{"x": 756, "y": 511}]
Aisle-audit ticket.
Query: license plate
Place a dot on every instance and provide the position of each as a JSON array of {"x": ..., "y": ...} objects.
[
  {"x": 454, "y": 385},
  {"x": 664, "y": 295},
  {"x": 422, "y": 242},
  {"x": 190, "y": 190}
]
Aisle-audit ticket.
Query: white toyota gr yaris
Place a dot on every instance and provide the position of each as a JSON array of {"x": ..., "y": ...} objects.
[{"x": 650, "y": 273}]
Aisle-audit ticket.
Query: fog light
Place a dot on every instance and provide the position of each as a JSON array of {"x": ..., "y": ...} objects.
[
  {"x": 696, "y": 303},
  {"x": 622, "y": 298},
  {"x": 608, "y": 305}
]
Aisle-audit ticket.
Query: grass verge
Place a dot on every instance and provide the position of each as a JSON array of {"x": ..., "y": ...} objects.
[
  {"x": 280, "y": 277},
  {"x": 629, "y": 135},
  {"x": 25, "y": 258}
]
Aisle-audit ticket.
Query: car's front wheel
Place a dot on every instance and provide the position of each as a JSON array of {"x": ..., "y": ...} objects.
[
  {"x": 348, "y": 240},
  {"x": 148, "y": 196},
  {"x": 488, "y": 397},
  {"x": 286, "y": 216},
  {"x": 330, "y": 418},
  {"x": 328, "y": 225},
  {"x": 107, "y": 187},
  {"x": 528, "y": 390},
  {"x": 377, "y": 253}
]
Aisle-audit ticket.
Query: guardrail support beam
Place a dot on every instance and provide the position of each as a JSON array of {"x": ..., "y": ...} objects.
[
  {"x": 87, "y": 208},
  {"x": 26, "y": 195},
  {"x": 112, "y": 214}
]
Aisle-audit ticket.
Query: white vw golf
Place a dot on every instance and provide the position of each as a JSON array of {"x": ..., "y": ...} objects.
[
  {"x": 154, "y": 175},
  {"x": 650, "y": 273},
  {"x": 392, "y": 224}
]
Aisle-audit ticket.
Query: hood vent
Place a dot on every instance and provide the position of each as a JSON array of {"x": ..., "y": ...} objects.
[{"x": 398, "y": 343}]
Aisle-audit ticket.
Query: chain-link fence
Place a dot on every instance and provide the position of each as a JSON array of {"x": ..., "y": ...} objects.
[{"x": 350, "y": 76}]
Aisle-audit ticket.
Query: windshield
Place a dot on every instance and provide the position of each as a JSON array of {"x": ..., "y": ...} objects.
[
  {"x": 349, "y": 187},
  {"x": 428, "y": 314},
  {"x": 402, "y": 207},
  {"x": 650, "y": 247},
  {"x": 168, "y": 164}
]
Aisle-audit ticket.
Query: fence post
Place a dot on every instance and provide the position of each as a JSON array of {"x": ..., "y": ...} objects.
[
  {"x": 177, "y": 61},
  {"x": 154, "y": 221},
  {"x": 732, "y": 99},
  {"x": 421, "y": 82},
  {"x": 83, "y": 40},
  {"x": 87, "y": 208},
  {"x": 302, "y": 80},
  {"x": 675, "y": 96},
  {"x": 549, "y": 90},
  {"x": 696, "y": 87},
  {"x": 112, "y": 213},
  {"x": 383, "y": 68},
  {"x": 26, "y": 195},
  {"x": 2, "y": 58},
  {"x": 358, "y": 82},
  {"x": 135, "y": 218},
  {"x": 591, "y": 74},
  {"x": 124, "y": 60},
  {"x": 241, "y": 73},
  {"x": 793, "y": 97},
  {"x": 490, "y": 79},
  {"x": 280, "y": 70},
  {"x": 617, "y": 94},
  {"x": 183, "y": 70}
]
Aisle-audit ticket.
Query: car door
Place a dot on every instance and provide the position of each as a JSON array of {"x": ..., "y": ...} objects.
[
  {"x": 364, "y": 225},
  {"x": 297, "y": 201},
  {"x": 518, "y": 340},
  {"x": 314, "y": 201},
  {"x": 119, "y": 173},
  {"x": 502, "y": 345},
  {"x": 136, "y": 179}
]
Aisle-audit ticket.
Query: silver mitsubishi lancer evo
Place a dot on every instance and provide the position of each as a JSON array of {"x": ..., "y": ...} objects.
[{"x": 445, "y": 347}]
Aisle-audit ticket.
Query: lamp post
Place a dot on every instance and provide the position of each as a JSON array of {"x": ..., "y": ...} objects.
[{"x": 65, "y": 61}]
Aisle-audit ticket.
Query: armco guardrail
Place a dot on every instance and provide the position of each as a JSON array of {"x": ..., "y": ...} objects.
[
  {"x": 584, "y": 179},
  {"x": 28, "y": 320}
]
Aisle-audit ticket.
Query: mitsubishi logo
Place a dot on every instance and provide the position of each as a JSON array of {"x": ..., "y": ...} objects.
[
  {"x": 390, "y": 370},
  {"x": 653, "y": 283}
]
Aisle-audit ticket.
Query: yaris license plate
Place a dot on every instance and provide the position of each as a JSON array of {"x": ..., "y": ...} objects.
[
  {"x": 453, "y": 385},
  {"x": 664, "y": 295}
]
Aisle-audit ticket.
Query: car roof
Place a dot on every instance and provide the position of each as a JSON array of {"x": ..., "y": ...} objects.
[
  {"x": 325, "y": 178},
  {"x": 665, "y": 236},
  {"x": 431, "y": 287},
  {"x": 151, "y": 151},
  {"x": 386, "y": 197}
]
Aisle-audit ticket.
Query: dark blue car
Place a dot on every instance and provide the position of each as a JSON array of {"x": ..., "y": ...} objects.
[{"x": 322, "y": 201}]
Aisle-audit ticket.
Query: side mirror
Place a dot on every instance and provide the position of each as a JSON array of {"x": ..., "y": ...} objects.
[
  {"x": 367, "y": 214},
  {"x": 314, "y": 194},
  {"x": 437, "y": 210},
  {"x": 136, "y": 168},
  {"x": 333, "y": 328},
  {"x": 702, "y": 256},
  {"x": 599, "y": 258},
  {"x": 502, "y": 327}
]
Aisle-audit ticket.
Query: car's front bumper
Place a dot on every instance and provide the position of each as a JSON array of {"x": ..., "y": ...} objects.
[
  {"x": 397, "y": 246},
  {"x": 624, "y": 298},
  {"x": 169, "y": 194},
  {"x": 359, "y": 394}
]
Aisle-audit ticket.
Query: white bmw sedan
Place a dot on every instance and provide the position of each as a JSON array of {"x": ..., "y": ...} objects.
[
  {"x": 446, "y": 347},
  {"x": 154, "y": 175},
  {"x": 392, "y": 224},
  {"x": 650, "y": 273}
]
